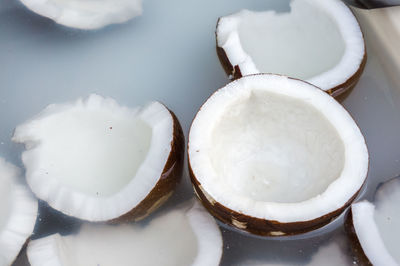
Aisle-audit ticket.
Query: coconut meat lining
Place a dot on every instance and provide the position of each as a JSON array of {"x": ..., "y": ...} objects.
[
  {"x": 6, "y": 200},
  {"x": 95, "y": 159},
  {"x": 317, "y": 41},
  {"x": 277, "y": 148},
  {"x": 369, "y": 236},
  {"x": 274, "y": 148},
  {"x": 387, "y": 216},
  {"x": 377, "y": 225},
  {"x": 18, "y": 211},
  {"x": 86, "y": 14},
  {"x": 195, "y": 236}
]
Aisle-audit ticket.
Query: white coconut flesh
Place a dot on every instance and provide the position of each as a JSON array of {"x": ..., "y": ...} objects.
[
  {"x": 277, "y": 148},
  {"x": 377, "y": 225},
  {"x": 94, "y": 159},
  {"x": 181, "y": 237},
  {"x": 86, "y": 14},
  {"x": 317, "y": 41},
  {"x": 18, "y": 212}
]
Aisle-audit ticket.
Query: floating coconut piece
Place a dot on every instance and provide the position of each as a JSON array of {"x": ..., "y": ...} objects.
[
  {"x": 181, "y": 237},
  {"x": 275, "y": 156},
  {"x": 317, "y": 41},
  {"x": 18, "y": 212},
  {"x": 86, "y": 14},
  {"x": 374, "y": 227},
  {"x": 98, "y": 161}
]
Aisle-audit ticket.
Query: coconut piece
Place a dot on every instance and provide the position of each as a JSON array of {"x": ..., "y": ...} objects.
[
  {"x": 98, "y": 161},
  {"x": 317, "y": 41},
  {"x": 275, "y": 156},
  {"x": 18, "y": 212},
  {"x": 194, "y": 233},
  {"x": 374, "y": 227},
  {"x": 86, "y": 14}
]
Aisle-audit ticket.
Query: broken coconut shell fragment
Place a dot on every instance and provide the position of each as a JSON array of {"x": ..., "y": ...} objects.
[
  {"x": 275, "y": 156},
  {"x": 317, "y": 41},
  {"x": 373, "y": 228},
  {"x": 98, "y": 161},
  {"x": 195, "y": 235}
]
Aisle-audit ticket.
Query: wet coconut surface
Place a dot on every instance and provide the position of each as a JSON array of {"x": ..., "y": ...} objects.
[{"x": 129, "y": 63}]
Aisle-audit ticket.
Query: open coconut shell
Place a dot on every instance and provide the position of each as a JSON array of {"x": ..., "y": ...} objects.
[
  {"x": 335, "y": 78},
  {"x": 244, "y": 140},
  {"x": 196, "y": 236},
  {"x": 98, "y": 161}
]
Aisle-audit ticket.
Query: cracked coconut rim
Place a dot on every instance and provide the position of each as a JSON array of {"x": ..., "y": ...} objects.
[
  {"x": 275, "y": 156},
  {"x": 18, "y": 212},
  {"x": 96, "y": 160},
  {"x": 198, "y": 242},
  {"x": 317, "y": 41},
  {"x": 374, "y": 227}
]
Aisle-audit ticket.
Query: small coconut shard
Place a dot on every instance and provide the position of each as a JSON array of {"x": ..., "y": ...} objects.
[
  {"x": 317, "y": 41},
  {"x": 194, "y": 233},
  {"x": 374, "y": 228},
  {"x": 275, "y": 154},
  {"x": 18, "y": 212},
  {"x": 86, "y": 14},
  {"x": 98, "y": 161}
]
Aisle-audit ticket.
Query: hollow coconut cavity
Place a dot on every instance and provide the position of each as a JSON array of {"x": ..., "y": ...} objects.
[
  {"x": 185, "y": 236},
  {"x": 374, "y": 227},
  {"x": 317, "y": 41},
  {"x": 86, "y": 14},
  {"x": 98, "y": 161},
  {"x": 275, "y": 156},
  {"x": 18, "y": 212}
]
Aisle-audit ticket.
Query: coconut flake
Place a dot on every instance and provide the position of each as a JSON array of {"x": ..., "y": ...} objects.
[
  {"x": 195, "y": 236},
  {"x": 318, "y": 41},
  {"x": 93, "y": 159},
  {"x": 18, "y": 212},
  {"x": 86, "y": 14}
]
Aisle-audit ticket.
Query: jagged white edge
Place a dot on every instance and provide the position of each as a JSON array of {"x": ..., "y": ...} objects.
[
  {"x": 23, "y": 213},
  {"x": 86, "y": 14},
  {"x": 45, "y": 251},
  {"x": 80, "y": 205},
  {"x": 368, "y": 234},
  {"x": 339, "y": 12}
]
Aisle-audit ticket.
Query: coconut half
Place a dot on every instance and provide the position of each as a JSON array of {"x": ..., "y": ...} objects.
[
  {"x": 18, "y": 212},
  {"x": 275, "y": 156},
  {"x": 86, "y": 14},
  {"x": 317, "y": 41},
  {"x": 184, "y": 236},
  {"x": 374, "y": 227},
  {"x": 98, "y": 161}
]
